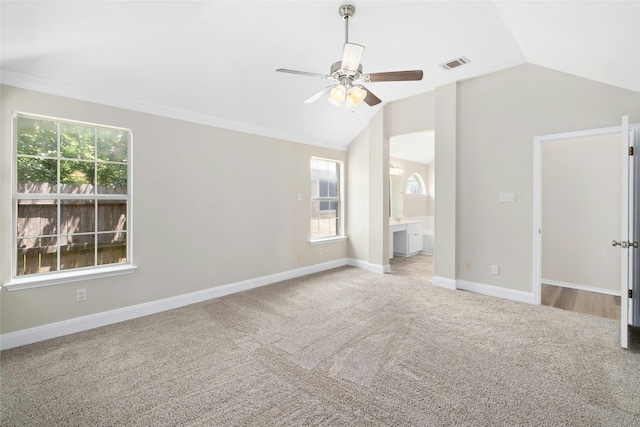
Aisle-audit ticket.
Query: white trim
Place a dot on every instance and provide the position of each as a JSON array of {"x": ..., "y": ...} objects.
[
  {"x": 444, "y": 282},
  {"x": 496, "y": 291},
  {"x": 66, "y": 327},
  {"x": 47, "y": 279},
  {"x": 327, "y": 240},
  {"x": 581, "y": 287},
  {"x": 374, "y": 268},
  {"x": 25, "y": 81}
]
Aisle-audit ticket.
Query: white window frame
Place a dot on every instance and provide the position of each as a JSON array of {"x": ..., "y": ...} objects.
[
  {"x": 341, "y": 202},
  {"x": 76, "y": 274}
]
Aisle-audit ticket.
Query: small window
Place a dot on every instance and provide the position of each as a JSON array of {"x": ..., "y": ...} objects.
[
  {"x": 415, "y": 184},
  {"x": 326, "y": 198},
  {"x": 71, "y": 196}
]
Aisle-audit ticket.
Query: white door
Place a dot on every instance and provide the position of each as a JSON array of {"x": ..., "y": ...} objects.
[{"x": 626, "y": 242}]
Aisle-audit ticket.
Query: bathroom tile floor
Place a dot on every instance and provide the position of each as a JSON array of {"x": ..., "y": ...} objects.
[{"x": 417, "y": 266}]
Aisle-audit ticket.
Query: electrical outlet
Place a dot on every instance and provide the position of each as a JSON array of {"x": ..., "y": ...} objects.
[
  {"x": 467, "y": 265},
  {"x": 319, "y": 251},
  {"x": 495, "y": 269},
  {"x": 81, "y": 294}
]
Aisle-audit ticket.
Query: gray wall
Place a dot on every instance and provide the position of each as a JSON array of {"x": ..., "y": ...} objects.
[
  {"x": 498, "y": 116},
  {"x": 484, "y": 130},
  {"x": 246, "y": 187},
  {"x": 211, "y": 207},
  {"x": 368, "y": 196}
]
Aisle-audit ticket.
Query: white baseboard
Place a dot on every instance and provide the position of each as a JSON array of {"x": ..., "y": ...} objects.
[
  {"x": 443, "y": 282},
  {"x": 374, "y": 268},
  {"x": 496, "y": 291},
  {"x": 581, "y": 287},
  {"x": 66, "y": 327}
]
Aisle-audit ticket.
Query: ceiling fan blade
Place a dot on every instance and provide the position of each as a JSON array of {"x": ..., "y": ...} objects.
[
  {"x": 314, "y": 98},
  {"x": 371, "y": 99},
  {"x": 351, "y": 56},
  {"x": 303, "y": 73},
  {"x": 396, "y": 76}
]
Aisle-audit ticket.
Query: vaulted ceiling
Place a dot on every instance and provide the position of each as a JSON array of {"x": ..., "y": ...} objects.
[{"x": 214, "y": 62}]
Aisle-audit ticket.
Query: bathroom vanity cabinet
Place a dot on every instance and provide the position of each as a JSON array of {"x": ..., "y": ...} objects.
[{"x": 406, "y": 237}]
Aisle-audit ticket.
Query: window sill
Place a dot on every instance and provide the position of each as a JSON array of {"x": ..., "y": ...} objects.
[
  {"x": 47, "y": 279},
  {"x": 327, "y": 240}
]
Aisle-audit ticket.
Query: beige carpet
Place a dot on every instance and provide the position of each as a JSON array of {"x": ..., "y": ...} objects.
[{"x": 344, "y": 347}]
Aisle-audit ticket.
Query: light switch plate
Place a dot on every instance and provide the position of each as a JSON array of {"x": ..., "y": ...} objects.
[{"x": 507, "y": 197}]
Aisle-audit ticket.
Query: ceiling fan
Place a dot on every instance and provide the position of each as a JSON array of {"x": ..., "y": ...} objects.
[{"x": 348, "y": 74}]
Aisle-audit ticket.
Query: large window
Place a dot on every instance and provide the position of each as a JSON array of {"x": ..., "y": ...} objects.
[
  {"x": 71, "y": 195},
  {"x": 326, "y": 198}
]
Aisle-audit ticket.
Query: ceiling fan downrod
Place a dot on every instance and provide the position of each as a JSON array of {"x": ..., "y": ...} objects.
[{"x": 346, "y": 11}]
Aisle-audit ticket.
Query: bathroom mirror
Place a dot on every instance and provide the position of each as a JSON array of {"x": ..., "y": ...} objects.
[{"x": 396, "y": 192}]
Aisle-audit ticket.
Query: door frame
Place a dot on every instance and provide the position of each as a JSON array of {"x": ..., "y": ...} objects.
[{"x": 537, "y": 197}]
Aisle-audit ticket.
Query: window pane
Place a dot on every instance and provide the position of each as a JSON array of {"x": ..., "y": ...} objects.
[
  {"x": 324, "y": 218},
  {"x": 332, "y": 190},
  {"x": 112, "y": 248},
  {"x": 112, "y": 145},
  {"x": 77, "y": 216},
  {"x": 77, "y": 141},
  {"x": 112, "y": 215},
  {"x": 37, "y": 137},
  {"x": 112, "y": 178},
  {"x": 77, "y": 251},
  {"x": 37, "y": 175},
  {"x": 315, "y": 188},
  {"x": 36, "y": 255},
  {"x": 36, "y": 218},
  {"x": 328, "y": 227},
  {"x": 324, "y": 188},
  {"x": 77, "y": 177}
]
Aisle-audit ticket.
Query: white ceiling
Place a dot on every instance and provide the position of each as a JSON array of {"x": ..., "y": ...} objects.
[
  {"x": 416, "y": 147},
  {"x": 214, "y": 61}
]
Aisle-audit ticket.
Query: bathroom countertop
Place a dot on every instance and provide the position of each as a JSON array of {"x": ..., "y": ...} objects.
[{"x": 401, "y": 222}]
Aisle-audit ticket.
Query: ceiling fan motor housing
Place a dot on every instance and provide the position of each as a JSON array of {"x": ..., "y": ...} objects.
[{"x": 338, "y": 73}]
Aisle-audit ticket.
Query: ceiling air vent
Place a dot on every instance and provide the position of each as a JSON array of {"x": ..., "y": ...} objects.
[{"x": 449, "y": 65}]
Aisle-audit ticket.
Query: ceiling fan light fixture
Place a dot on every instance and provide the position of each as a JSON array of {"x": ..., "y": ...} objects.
[
  {"x": 356, "y": 95},
  {"x": 337, "y": 95}
]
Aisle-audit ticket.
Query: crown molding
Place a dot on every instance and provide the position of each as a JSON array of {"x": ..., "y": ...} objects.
[{"x": 38, "y": 84}]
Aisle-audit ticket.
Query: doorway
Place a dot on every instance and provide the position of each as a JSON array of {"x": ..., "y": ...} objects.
[
  {"x": 411, "y": 202},
  {"x": 588, "y": 187},
  {"x": 580, "y": 215}
]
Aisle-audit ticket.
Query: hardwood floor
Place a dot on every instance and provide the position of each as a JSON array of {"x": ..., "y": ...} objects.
[{"x": 596, "y": 304}]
